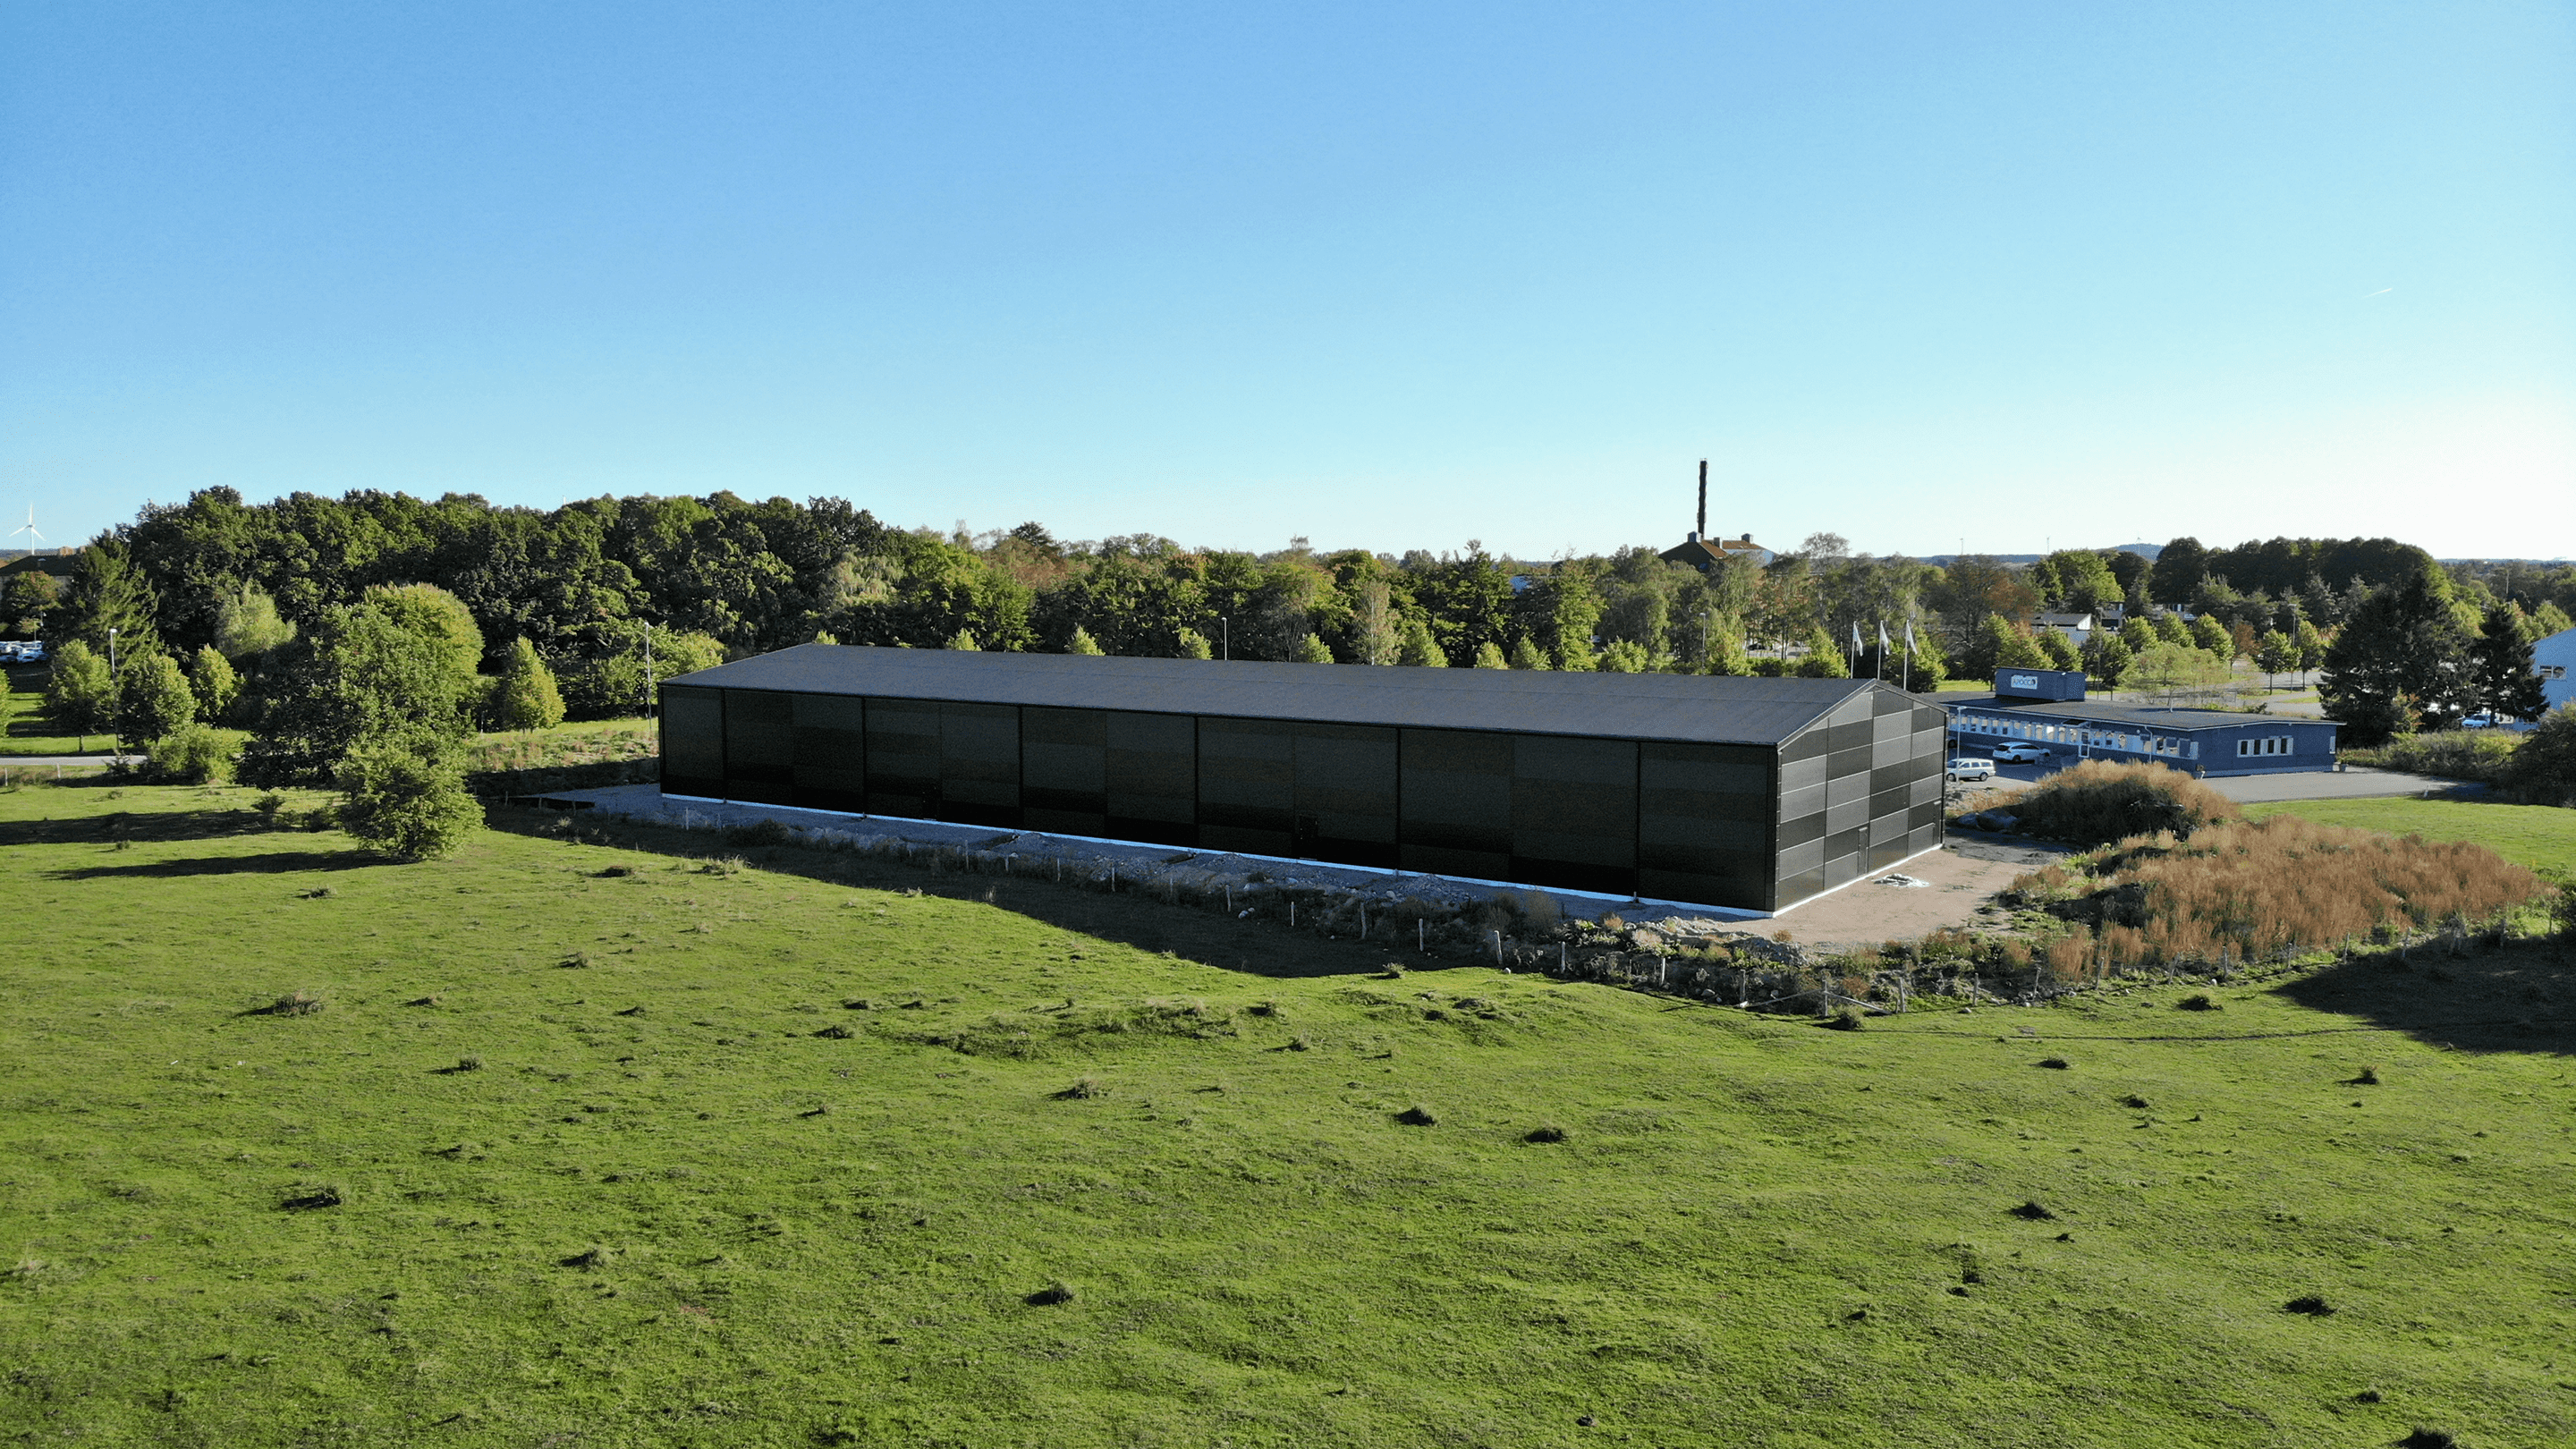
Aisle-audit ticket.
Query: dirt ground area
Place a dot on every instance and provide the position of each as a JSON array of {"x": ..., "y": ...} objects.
[{"x": 1957, "y": 879}]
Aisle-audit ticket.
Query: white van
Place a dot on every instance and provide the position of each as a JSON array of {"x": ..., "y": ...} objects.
[{"x": 1972, "y": 768}]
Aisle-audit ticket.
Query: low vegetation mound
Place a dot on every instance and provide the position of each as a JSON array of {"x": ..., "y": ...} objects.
[
  {"x": 2544, "y": 765},
  {"x": 2485, "y": 756},
  {"x": 2263, "y": 890},
  {"x": 2098, "y": 802}
]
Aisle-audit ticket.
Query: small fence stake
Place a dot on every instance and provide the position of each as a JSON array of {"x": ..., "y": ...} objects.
[
  {"x": 1498, "y": 948},
  {"x": 1292, "y": 915},
  {"x": 1560, "y": 958},
  {"x": 1420, "y": 945},
  {"x": 1363, "y": 923},
  {"x": 1113, "y": 880},
  {"x": 1229, "y": 900}
]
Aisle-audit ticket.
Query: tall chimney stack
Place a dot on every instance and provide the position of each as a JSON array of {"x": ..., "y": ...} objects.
[{"x": 1702, "y": 531}]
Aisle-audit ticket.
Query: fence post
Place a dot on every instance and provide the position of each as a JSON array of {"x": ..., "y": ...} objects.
[
  {"x": 1363, "y": 923},
  {"x": 1292, "y": 915},
  {"x": 1113, "y": 878},
  {"x": 1498, "y": 948},
  {"x": 1421, "y": 940}
]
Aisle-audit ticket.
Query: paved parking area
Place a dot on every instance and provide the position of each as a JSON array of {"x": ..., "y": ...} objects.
[{"x": 2357, "y": 782}]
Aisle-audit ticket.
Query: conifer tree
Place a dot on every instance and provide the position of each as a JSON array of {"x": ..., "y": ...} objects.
[
  {"x": 1082, "y": 642},
  {"x": 1527, "y": 655},
  {"x": 2500, "y": 660},
  {"x": 1489, "y": 655},
  {"x": 1310, "y": 652},
  {"x": 526, "y": 698},
  {"x": 1414, "y": 646}
]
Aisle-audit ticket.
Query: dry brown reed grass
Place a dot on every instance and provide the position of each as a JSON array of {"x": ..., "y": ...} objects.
[{"x": 2274, "y": 888}]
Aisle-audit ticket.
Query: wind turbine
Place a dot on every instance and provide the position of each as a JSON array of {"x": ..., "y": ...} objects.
[{"x": 30, "y": 528}]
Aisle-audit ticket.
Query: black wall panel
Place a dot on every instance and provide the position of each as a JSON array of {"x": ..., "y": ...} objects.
[
  {"x": 979, "y": 764},
  {"x": 760, "y": 746},
  {"x": 1064, "y": 770},
  {"x": 1347, "y": 796},
  {"x": 1153, "y": 777},
  {"x": 1248, "y": 785},
  {"x": 1704, "y": 823},
  {"x": 1574, "y": 812},
  {"x": 831, "y": 746},
  {"x": 903, "y": 758},
  {"x": 693, "y": 741},
  {"x": 1457, "y": 805}
]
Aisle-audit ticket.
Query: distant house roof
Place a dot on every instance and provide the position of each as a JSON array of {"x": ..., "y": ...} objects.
[
  {"x": 1696, "y": 708},
  {"x": 2067, "y": 621},
  {"x": 1706, "y": 553}
]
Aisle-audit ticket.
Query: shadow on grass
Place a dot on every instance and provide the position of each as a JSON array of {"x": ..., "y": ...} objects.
[
  {"x": 1206, "y": 936},
  {"x": 2517, "y": 998},
  {"x": 139, "y": 826},
  {"x": 275, "y": 862}
]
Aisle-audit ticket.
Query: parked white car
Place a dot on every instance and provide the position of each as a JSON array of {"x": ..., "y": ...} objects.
[
  {"x": 2021, "y": 750},
  {"x": 1972, "y": 769}
]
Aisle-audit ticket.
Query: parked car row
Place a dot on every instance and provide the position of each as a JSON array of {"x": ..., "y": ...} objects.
[
  {"x": 1979, "y": 767},
  {"x": 21, "y": 651}
]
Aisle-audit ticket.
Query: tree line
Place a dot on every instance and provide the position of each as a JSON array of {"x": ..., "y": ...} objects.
[{"x": 284, "y": 618}]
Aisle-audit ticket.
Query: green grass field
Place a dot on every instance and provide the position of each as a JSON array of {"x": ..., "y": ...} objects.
[
  {"x": 690, "y": 1195},
  {"x": 2539, "y": 836},
  {"x": 25, "y": 727}
]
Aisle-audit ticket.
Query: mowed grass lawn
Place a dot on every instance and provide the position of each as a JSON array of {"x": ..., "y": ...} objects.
[
  {"x": 672, "y": 1205},
  {"x": 2539, "y": 836},
  {"x": 26, "y": 728}
]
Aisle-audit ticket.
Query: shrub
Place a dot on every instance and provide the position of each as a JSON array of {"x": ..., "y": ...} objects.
[
  {"x": 408, "y": 802},
  {"x": 193, "y": 754},
  {"x": 526, "y": 697},
  {"x": 2543, "y": 769},
  {"x": 1545, "y": 1132},
  {"x": 2098, "y": 802},
  {"x": 1417, "y": 1116},
  {"x": 1845, "y": 1018},
  {"x": 2481, "y": 755},
  {"x": 2311, "y": 1305},
  {"x": 2197, "y": 1001}
]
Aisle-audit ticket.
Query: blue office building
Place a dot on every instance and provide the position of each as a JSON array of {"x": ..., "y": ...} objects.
[{"x": 2205, "y": 742}]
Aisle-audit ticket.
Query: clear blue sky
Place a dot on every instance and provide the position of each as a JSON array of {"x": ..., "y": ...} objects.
[{"x": 1393, "y": 275}]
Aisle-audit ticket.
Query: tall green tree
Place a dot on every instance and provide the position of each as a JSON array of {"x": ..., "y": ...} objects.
[
  {"x": 1314, "y": 651},
  {"x": 374, "y": 674},
  {"x": 2500, "y": 666},
  {"x": 212, "y": 679},
  {"x": 80, "y": 692},
  {"x": 1489, "y": 655},
  {"x": 2275, "y": 653},
  {"x": 2402, "y": 654},
  {"x": 1527, "y": 655},
  {"x": 152, "y": 699},
  {"x": 2059, "y": 649},
  {"x": 2178, "y": 571},
  {"x": 107, "y": 593},
  {"x": 2108, "y": 659}
]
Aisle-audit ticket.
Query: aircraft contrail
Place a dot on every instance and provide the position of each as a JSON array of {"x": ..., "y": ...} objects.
[{"x": 2382, "y": 292}]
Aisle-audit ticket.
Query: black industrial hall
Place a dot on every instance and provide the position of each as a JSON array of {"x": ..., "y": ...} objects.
[{"x": 1752, "y": 794}]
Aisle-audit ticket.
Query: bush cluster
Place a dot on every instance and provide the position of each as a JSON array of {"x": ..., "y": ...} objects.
[{"x": 2098, "y": 802}]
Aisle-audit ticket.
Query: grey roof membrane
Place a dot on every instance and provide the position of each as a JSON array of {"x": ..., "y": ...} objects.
[
  {"x": 2146, "y": 716},
  {"x": 1683, "y": 707}
]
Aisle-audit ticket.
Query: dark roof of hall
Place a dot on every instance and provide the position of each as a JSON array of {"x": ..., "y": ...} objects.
[
  {"x": 1697, "y": 708},
  {"x": 2104, "y": 712}
]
